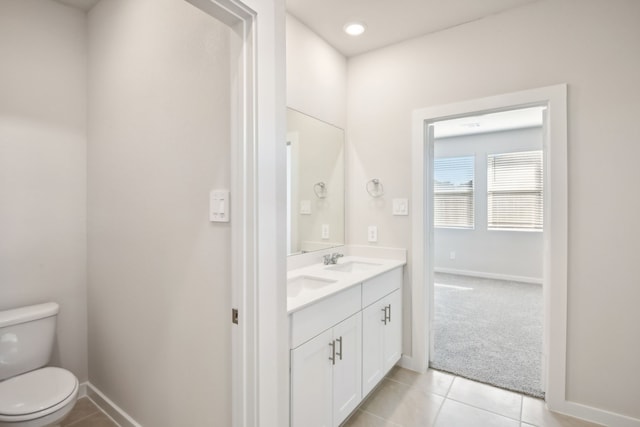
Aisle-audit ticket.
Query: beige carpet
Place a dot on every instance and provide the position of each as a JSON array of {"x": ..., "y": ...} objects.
[{"x": 490, "y": 331}]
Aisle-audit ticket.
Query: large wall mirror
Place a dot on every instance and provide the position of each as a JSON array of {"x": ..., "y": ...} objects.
[{"x": 315, "y": 184}]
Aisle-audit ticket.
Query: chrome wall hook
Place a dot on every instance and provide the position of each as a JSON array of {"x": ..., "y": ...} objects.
[
  {"x": 320, "y": 188},
  {"x": 375, "y": 188}
]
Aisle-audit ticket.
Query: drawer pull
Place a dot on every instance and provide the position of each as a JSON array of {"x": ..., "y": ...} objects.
[
  {"x": 339, "y": 353},
  {"x": 333, "y": 352},
  {"x": 389, "y": 313},
  {"x": 384, "y": 316}
]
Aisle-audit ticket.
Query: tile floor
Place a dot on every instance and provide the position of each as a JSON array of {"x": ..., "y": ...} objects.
[
  {"x": 408, "y": 399},
  {"x": 87, "y": 414},
  {"x": 435, "y": 399}
]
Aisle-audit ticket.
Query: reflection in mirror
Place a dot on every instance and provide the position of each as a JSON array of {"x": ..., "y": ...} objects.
[{"x": 315, "y": 184}]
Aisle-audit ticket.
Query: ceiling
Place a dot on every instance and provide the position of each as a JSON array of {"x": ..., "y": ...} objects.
[
  {"x": 79, "y": 4},
  {"x": 389, "y": 21}
]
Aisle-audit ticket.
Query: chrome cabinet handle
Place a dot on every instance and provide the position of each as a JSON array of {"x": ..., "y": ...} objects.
[
  {"x": 389, "y": 318},
  {"x": 333, "y": 352},
  {"x": 384, "y": 318},
  {"x": 339, "y": 353}
]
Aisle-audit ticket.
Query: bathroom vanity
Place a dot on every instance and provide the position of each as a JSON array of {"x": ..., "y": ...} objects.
[{"x": 345, "y": 324}]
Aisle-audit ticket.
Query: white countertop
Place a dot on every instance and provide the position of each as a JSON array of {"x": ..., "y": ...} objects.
[{"x": 343, "y": 279}]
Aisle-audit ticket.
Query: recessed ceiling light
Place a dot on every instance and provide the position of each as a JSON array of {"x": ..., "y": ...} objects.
[{"x": 354, "y": 28}]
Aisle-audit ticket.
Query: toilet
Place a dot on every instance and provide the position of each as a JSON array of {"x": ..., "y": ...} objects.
[{"x": 32, "y": 394}]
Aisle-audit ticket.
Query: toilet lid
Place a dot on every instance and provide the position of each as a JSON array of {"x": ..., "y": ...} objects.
[{"x": 36, "y": 391}]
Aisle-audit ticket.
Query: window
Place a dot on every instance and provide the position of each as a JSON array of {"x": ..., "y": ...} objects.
[
  {"x": 453, "y": 192},
  {"x": 514, "y": 184}
]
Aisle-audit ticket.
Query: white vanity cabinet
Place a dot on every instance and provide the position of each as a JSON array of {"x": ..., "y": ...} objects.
[
  {"x": 326, "y": 370},
  {"x": 381, "y": 328},
  {"x": 312, "y": 383},
  {"x": 326, "y": 375},
  {"x": 341, "y": 347}
]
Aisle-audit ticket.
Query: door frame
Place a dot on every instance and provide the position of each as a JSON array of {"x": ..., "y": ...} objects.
[
  {"x": 555, "y": 233},
  {"x": 259, "y": 353}
]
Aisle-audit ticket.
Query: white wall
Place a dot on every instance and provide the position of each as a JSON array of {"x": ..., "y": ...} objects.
[
  {"x": 591, "y": 45},
  {"x": 159, "y": 279},
  {"x": 42, "y": 167},
  {"x": 513, "y": 255},
  {"x": 316, "y": 75}
]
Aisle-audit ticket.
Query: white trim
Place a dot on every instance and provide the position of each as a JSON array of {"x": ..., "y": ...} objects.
[
  {"x": 596, "y": 415},
  {"x": 487, "y": 275},
  {"x": 82, "y": 390},
  {"x": 555, "y": 230},
  {"x": 259, "y": 342},
  {"x": 113, "y": 411},
  {"x": 244, "y": 375},
  {"x": 410, "y": 363}
]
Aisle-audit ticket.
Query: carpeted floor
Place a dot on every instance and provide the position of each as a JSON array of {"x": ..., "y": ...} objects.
[{"x": 489, "y": 330}]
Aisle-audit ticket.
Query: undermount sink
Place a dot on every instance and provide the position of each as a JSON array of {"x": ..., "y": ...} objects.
[
  {"x": 353, "y": 266},
  {"x": 296, "y": 285}
]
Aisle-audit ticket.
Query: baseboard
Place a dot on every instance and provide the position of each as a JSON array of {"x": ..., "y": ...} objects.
[
  {"x": 82, "y": 390},
  {"x": 408, "y": 362},
  {"x": 483, "y": 274},
  {"x": 595, "y": 415},
  {"x": 117, "y": 414}
]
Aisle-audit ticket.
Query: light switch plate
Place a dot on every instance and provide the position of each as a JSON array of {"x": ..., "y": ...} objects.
[
  {"x": 305, "y": 207},
  {"x": 325, "y": 231},
  {"x": 219, "y": 206},
  {"x": 401, "y": 206}
]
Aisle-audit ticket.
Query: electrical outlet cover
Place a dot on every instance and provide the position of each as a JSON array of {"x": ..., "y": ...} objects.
[{"x": 372, "y": 233}]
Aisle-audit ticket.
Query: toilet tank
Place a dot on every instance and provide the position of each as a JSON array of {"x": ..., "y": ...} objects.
[{"x": 26, "y": 338}]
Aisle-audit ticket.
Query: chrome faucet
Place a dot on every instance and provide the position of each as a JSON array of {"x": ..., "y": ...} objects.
[{"x": 331, "y": 259}]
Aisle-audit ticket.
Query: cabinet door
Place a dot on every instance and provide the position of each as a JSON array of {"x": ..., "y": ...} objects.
[
  {"x": 312, "y": 383},
  {"x": 347, "y": 371},
  {"x": 372, "y": 346},
  {"x": 393, "y": 330}
]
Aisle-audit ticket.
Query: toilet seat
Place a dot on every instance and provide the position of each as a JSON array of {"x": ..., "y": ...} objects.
[{"x": 36, "y": 394}]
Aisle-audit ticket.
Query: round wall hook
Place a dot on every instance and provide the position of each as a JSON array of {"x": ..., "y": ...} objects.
[
  {"x": 320, "y": 188},
  {"x": 375, "y": 188}
]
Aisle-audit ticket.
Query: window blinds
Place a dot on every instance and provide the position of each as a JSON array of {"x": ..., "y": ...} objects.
[
  {"x": 514, "y": 184},
  {"x": 453, "y": 192}
]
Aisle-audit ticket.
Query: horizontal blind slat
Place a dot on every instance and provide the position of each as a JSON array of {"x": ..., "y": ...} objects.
[
  {"x": 515, "y": 185},
  {"x": 453, "y": 192}
]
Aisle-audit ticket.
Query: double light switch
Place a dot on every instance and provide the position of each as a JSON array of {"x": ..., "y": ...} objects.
[{"x": 219, "y": 206}]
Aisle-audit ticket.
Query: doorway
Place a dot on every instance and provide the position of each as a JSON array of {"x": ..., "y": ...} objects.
[
  {"x": 554, "y": 271},
  {"x": 488, "y": 246}
]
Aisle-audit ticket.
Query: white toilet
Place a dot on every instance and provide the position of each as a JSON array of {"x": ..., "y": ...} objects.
[{"x": 32, "y": 395}]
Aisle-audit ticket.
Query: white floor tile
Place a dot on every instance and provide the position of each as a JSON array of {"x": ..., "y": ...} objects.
[
  {"x": 456, "y": 414},
  {"x": 486, "y": 397}
]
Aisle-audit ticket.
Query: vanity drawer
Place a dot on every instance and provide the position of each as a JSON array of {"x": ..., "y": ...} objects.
[
  {"x": 320, "y": 316},
  {"x": 379, "y": 286}
]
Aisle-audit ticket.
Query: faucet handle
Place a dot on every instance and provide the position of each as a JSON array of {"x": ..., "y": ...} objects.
[{"x": 327, "y": 259}]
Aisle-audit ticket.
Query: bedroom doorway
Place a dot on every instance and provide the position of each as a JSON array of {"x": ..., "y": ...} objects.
[
  {"x": 555, "y": 216},
  {"x": 487, "y": 203}
]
